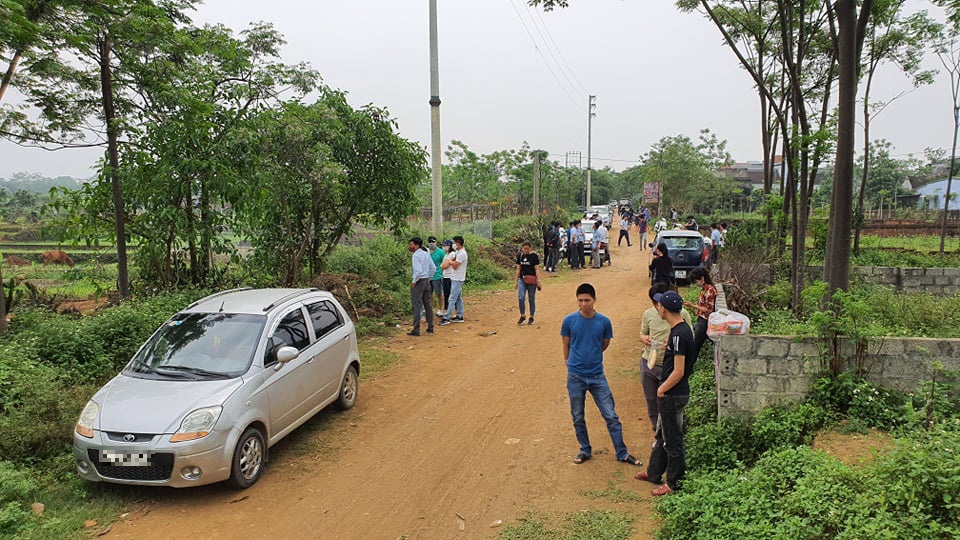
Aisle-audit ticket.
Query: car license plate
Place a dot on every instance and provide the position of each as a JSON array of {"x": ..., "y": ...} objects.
[
  {"x": 126, "y": 459},
  {"x": 681, "y": 274}
]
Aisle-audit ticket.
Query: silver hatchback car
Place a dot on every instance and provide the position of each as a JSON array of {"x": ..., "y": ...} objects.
[{"x": 217, "y": 385}]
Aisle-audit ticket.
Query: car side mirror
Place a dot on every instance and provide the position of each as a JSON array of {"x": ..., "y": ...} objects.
[
  {"x": 651, "y": 246},
  {"x": 286, "y": 354}
]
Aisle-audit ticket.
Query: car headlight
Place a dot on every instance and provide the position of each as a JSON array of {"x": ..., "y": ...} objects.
[
  {"x": 87, "y": 418},
  {"x": 197, "y": 424}
]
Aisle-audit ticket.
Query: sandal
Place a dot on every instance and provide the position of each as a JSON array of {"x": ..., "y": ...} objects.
[
  {"x": 631, "y": 460},
  {"x": 663, "y": 489},
  {"x": 581, "y": 457},
  {"x": 642, "y": 475}
]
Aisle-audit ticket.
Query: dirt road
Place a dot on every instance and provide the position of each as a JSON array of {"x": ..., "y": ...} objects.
[{"x": 468, "y": 429}]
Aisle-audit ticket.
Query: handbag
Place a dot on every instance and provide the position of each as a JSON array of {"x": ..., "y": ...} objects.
[{"x": 530, "y": 279}]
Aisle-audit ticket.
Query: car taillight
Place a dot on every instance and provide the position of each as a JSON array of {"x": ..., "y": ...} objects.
[{"x": 706, "y": 253}]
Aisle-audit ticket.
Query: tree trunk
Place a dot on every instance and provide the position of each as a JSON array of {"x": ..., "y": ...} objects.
[
  {"x": 953, "y": 157},
  {"x": 837, "y": 271},
  {"x": 113, "y": 169}
]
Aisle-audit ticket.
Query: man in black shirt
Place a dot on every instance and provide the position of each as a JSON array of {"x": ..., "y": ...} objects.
[{"x": 668, "y": 454}]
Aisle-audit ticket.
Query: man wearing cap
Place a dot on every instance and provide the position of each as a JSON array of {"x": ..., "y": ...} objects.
[
  {"x": 668, "y": 455},
  {"x": 436, "y": 284}
]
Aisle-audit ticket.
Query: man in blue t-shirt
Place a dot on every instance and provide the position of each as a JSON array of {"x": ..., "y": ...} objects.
[
  {"x": 586, "y": 334},
  {"x": 668, "y": 455}
]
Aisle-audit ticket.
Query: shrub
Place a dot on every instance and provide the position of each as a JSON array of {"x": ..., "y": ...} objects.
[
  {"x": 717, "y": 446},
  {"x": 782, "y": 425},
  {"x": 17, "y": 488}
]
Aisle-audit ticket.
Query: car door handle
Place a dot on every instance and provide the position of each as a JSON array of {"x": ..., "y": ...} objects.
[{"x": 346, "y": 337}]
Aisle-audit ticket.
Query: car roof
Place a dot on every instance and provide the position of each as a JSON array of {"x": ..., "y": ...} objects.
[
  {"x": 680, "y": 232},
  {"x": 252, "y": 301}
]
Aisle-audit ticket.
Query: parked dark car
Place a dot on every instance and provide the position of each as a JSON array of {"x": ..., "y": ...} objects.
[{"x": 686, "y": 250}]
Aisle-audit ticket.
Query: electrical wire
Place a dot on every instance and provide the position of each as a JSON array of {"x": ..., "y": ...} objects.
[
  {"x": 543, "y": 58},
  {"x": 559, "y": 53}
]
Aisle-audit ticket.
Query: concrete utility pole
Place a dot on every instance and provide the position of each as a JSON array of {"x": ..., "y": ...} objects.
[
  {"x": 590, "y": 114},
  {"x": 536, "y": 183},
  {"x": 437, "y": 221}
]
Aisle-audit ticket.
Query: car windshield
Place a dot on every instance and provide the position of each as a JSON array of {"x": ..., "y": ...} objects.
[
  {"x": 683, "y": 242},
  {"x": 199, "y": 346}
]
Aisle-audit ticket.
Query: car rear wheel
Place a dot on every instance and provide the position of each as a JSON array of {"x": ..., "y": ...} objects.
[
  {"x": 348, "y": 389},
  {"x": 249, "y": 457}
]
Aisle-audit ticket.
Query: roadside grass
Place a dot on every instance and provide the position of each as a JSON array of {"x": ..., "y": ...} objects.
[
  {"x": 583, "y": 525},
  {"x": 613, "y": 492}
]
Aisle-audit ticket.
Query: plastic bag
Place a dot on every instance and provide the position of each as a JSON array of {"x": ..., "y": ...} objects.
[{"x": 727, "y": 322}]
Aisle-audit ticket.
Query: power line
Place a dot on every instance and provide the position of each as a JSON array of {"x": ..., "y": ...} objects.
[
  {"x": 549, "y": 35},
  {"x": 540, "y": 54},
  {"x": 550, "y": 50}
]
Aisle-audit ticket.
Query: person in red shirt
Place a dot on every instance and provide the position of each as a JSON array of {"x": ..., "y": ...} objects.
[{"x": 706, "y": 304}]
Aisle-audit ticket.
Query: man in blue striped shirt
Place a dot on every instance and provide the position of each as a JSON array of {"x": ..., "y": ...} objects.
[{"x": 420, "y": 290}]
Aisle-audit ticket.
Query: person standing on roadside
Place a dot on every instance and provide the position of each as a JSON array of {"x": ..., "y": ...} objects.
[
  {"x": 528, "y": 281},
  {"x": 716, "y": 241},
  {"x": 551, "y": 242},
  {"x": 642, "y": 232},
  {"x": 448, "y": 255},
  {"x": 654, "y": 333},
  {"x": 661, "y": 267},
  {"x": 420, "y": 291},
  {"x": 586, "y": 334},
  {"x": 459, "y": 275},
  {"x": 668, "y": 454},
  {"x": 436, "y": 284},
  {"x": 706, "y": 304},
  {"x": 578, "y": 239},
  {"x": 624, "y": 231}
]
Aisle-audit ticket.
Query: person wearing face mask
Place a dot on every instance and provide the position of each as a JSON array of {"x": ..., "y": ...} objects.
[
  {"x": 458, "y": 262},
  {"x": 436, "y": 284},
  {"x": 420, "y": 292},
  {"x": 448, "y": 255}
]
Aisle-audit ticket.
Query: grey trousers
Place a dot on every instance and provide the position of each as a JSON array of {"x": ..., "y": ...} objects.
[{"x": 421, "y": 296}]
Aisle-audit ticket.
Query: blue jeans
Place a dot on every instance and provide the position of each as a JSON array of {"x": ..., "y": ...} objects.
[
  {"x": 668, "y": 455},
  {"x": 577, "y": 387},
  {"x": 529, "y": 291},
  {"x": 456, "y": 299}
]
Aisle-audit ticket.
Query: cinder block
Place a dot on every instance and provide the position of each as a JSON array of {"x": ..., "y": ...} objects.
[
  {"x": 785, "y": 366},
  {"x": 807, "y": 347},
  {"x": 739, "y": 383},
  {"x": 738, "y": 346},
  {"x": 751, "y": 366},
  {"x": 776, "y": 347},
  {"x": 771, "y": 385}
]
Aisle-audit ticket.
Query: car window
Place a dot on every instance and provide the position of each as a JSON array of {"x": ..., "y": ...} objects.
[
  {"x": 325, "y": 317},
  {"x": 291, "y": 332}
]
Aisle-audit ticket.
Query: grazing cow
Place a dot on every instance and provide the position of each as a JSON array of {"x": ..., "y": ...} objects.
[
  {"x": 57, "y": 257},
  {"x": 14, "y": 260}
]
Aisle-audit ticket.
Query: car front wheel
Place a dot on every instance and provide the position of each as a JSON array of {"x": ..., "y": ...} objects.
[
  {"x": 348, "y": 389},
  {"x": 249, "y": 457}
]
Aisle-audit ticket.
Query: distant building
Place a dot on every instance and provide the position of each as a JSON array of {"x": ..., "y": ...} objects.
[
  {"x": 932, "y": 194},
  {"x": 750, "y": 173}
]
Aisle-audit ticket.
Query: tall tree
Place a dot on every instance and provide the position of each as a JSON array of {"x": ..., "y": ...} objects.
[{"x": 850, "y": 32}]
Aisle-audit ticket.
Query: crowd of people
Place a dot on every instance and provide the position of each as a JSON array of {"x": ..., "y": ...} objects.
[{"x": 671, "y": 339}]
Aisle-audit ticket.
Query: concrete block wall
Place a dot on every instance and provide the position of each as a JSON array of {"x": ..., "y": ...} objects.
[
  {"x": 911, "y": 280},
  {"x": 758, "y": 370}
]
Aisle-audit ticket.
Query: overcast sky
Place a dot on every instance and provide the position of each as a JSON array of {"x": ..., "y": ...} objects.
[{"x": 655, "y": 72}]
